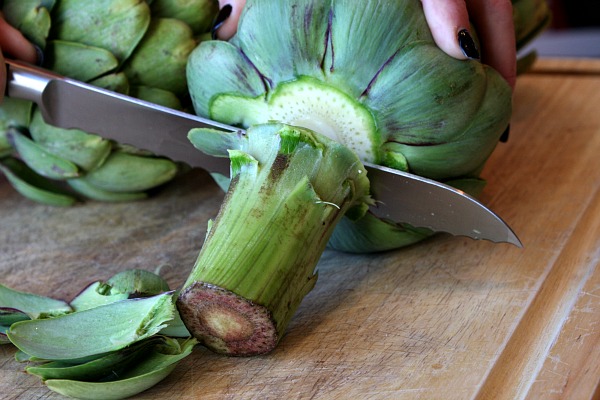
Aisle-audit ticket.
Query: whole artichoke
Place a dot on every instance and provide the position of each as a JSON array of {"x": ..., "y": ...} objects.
[
  {"x": 134, "y": 47},
  {"x": 369, "y": 75}
]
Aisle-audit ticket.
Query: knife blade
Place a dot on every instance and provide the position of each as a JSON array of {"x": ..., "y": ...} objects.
[{"x": 400, "y": 197}]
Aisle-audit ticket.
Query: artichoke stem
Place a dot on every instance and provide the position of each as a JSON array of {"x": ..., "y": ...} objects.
[{"x": 259, "y": 257}]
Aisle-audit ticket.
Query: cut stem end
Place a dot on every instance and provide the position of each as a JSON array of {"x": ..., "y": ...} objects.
[{"x": 225, "y": 322}]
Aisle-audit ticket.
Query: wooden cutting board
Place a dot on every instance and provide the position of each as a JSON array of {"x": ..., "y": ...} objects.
[{"x": 450, "y": 318}]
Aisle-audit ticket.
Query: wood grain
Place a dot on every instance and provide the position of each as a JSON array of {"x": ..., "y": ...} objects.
[{"x": 450, "y": 318}]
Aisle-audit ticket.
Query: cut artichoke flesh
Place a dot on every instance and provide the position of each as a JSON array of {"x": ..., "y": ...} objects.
[{"x": 311, "y": 104}]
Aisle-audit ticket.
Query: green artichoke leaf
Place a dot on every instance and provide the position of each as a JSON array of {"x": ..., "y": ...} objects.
[
  {"x": 284, "y": 44},
  {"x": 78, "y": 61},
  {"x": 32, "y": 305},
  {"x": 98, "y": 368},
  {"x": 160, "y": 361},
  {"x": 450, "y": 115},
  {"x": 161, "y": 56},
  {"x": 371, "y": 234},
  {"x": 33, "y": 186},
  {"x": 365, "y": 35},
  {"x": 117, "y": 82},
  {"x": 126, "y": 173},
  {"x": 41, "y": 160},
  {"x": 155, "y": 95},
  {"x": 84, "y": 149},
  {"x": 95, "y": 331},
  {"x": 236, "y": 74},
  {"x": 126, "y": 284},
  {"x": 119, "y": 25},
  {"x": 198, "y": 14},
  {"x": 14, "y": 113},
  {"x": 86, "y": 189}
]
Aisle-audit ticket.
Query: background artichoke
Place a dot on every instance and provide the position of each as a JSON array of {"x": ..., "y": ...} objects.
[{"x": 134, "y": 47}]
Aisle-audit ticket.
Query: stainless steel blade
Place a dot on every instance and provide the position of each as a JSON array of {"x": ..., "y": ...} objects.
[
  {"x": 401, "y": 197},
  {"x": 67, "y": 103},
  {"x": 434, "y": 205}
]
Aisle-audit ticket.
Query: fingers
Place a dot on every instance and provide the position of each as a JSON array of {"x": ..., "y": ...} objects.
[
  {"x": 2, "y": 77},
  {"x": 449, "y": 22},
  {"x": 14, "y": 44},
  {"x": 493, "y": 20},
  {"x": 446, "y": 18},
  {"x": 227, "y": 20}
]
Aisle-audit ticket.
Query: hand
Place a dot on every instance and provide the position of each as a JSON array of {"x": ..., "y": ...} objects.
[
  {"x": 449, "y": 22},
  {"x": 13, "y": 43},
  {"x": 493, "y": 21}
]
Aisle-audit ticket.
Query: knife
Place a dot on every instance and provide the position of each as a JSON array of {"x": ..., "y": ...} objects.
[{"x": 400, "y": 197}]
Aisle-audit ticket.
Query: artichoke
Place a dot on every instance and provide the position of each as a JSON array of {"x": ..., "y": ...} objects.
[
  {"x": 369, "y": 75},
  {"x": 340, "y": 78},
  {"x": 134, "y": 47}
]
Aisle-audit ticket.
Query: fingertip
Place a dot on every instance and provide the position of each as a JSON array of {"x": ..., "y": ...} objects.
[
  {"x": 226, "y": 23},
  {"x": 446, "y": 21}
]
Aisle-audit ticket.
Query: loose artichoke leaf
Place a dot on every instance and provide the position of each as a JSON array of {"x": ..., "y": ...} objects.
[
  {"x": 84, "y": 149},
  {"x": 216, "y": 67},
  {"x": 95, "y": 331},
  {"x": 33, "y": 305},
  {"x": 311, "y": 104},
  {"x": 3, "y": 337},
  {"x": 40, "y": 160},
  {"x": 160, "y": 58},
  {"x": 359, "y": 47},
  {"x": 119, "y": 25},
  {"x": 33, "y": 186},
  {"x": 78, "y": 61},
  {"x": 122, "y": 172},
  {"x": 95, "y": 295},
  {"x": 148, "y": 372},
  {"x": 123, "y": 285},
  {"x": 293, "y": 45},
  {"x": 97, "y": 369},
  {"x": 9, "y": 316}
]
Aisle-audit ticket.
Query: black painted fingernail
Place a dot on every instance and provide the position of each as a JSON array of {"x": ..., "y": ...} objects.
[
  {"x": 39, "y": 54},
  {"x": 504, "y": 137},
  {"x": 222, "y": 16},
  {"x": 467, "y": 45}
]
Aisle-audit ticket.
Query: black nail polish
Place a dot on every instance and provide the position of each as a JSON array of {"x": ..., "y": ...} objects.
[
  {"x": 222, "y": 16},
  {"x": 504, "y": 137},
  {"x": 39, "y": 54},
  {"x": 467, "y": 45}
]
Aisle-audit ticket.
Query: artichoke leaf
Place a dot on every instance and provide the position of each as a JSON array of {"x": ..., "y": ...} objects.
[
  {"x": 96, "y": 331},
  {"x": 78, "y": 61},
  {"x": 217, "y": 67},
  {"x": 293, "y": 41},
  {"x": 119, "y": 25},
  {"x": 360, "y": 47}
]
